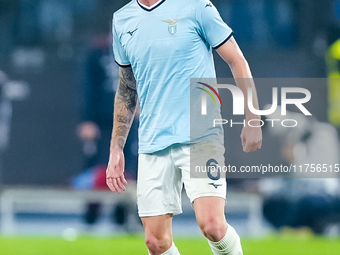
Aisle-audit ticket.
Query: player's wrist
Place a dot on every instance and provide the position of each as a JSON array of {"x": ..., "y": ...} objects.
[
  {"x": 117, "y": 144},
  {"x": 252, "y": 117}
]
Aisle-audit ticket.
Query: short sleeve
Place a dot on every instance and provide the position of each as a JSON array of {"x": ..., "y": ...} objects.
[
  {"x": 211, "y": 26},
  {"x": 118, "y": 50}
]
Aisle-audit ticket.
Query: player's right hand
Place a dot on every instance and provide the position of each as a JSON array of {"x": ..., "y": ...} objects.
[{"x": 115, "y": 179}]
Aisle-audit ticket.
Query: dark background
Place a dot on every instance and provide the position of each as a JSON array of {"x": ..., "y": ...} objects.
[{"x": 280, "y": 39}]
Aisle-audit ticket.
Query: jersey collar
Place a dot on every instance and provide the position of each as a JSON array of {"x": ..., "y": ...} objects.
[{"x": 152, "y": 7}]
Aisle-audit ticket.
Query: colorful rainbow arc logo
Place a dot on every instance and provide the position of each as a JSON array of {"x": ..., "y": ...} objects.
[{"x": 209, "y": 93}]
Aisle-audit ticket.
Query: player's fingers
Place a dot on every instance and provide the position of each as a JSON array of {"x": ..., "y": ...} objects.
[
  {"x": 123, "y": 180},
  {"x": 110, "y": 184},
  {"x": 247, "y": 147},
  {"x": 257, "y": 146},
  {"x": 254, "y": 147},
  {"x": 115, "y": 185},
  {"x": 120, "y": 184}
]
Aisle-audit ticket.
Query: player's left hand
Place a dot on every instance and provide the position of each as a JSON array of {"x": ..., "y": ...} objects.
[{"x": 251, "y": 138}]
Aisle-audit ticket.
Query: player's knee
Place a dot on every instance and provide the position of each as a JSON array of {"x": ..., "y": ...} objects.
[
  {"x": 158, "y": 244},
  {"x": 214, "y": 229}
]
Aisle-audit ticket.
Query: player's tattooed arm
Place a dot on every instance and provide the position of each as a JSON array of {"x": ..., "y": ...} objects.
[{"x": 125, "y": 107}]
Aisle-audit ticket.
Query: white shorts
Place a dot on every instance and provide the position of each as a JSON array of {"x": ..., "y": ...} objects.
[{"x": 161, "y": 176}]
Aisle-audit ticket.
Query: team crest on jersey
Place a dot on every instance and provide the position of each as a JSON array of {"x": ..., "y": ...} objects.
[{"x": 172, "y": 25}]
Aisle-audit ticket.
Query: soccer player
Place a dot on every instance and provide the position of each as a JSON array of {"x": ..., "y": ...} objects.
[{"x": 159, "y": 46}]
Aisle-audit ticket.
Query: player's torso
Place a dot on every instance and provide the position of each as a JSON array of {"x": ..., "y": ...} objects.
[
  {"x": 165, "y": 49},
  {"x": 167, "y": 35},
  {"x": 169, "y": 30},
  {"x": 163, "y": 45}
]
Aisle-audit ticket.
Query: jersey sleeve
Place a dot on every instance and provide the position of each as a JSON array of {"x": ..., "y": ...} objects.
[
  {"x": 211, "y": 26},
  {"x": 118, "y": 50}
]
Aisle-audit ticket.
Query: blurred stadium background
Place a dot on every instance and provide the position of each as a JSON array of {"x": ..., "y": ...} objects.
[{"x": 58, "y": 78}]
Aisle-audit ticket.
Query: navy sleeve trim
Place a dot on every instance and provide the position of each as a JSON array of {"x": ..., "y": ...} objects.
[
  {"x": 224, "y": 41},
  {"x": 122, "y": 65}
]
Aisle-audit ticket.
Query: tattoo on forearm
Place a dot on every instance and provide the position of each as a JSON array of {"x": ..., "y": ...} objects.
[
  {"x": 125, "y": 106},
  {"x": 122, "y": 130},
  {"x": 120, "y": 118}
]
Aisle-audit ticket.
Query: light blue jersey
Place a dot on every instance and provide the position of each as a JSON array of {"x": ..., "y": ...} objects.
[{"x": 166, "y": 45}]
